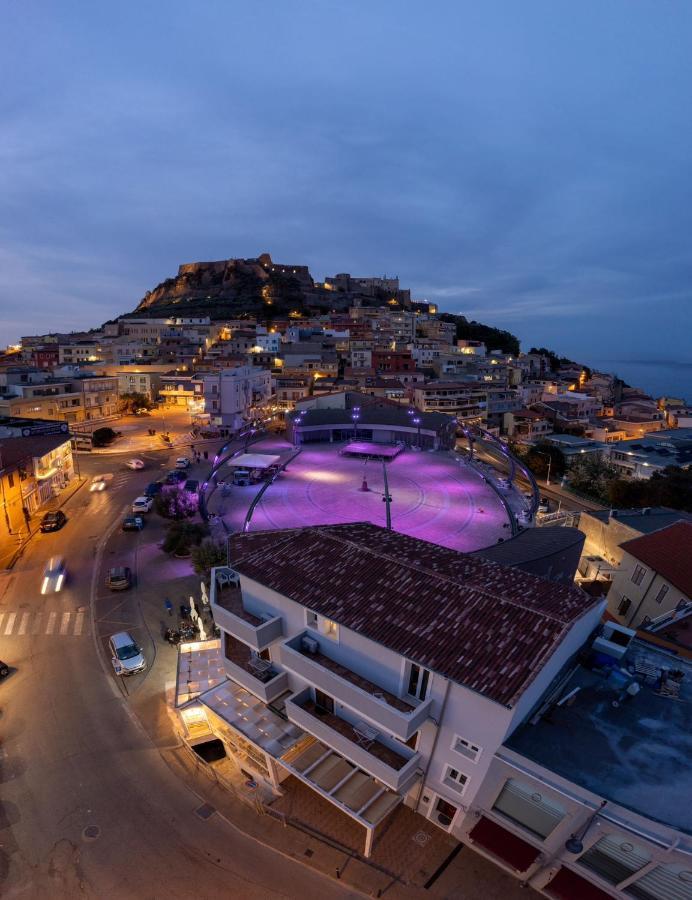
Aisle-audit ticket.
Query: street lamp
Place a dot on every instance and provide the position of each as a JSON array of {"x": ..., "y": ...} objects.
[
  {"x": 416, "y": 421},
  {"x": 575, "y": 842},
  {"x": 550, "y": 459},
  {"x": 355, "y": 415}
]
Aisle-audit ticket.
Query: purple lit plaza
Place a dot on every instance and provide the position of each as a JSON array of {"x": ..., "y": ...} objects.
[{"x": 435, "y": 497}]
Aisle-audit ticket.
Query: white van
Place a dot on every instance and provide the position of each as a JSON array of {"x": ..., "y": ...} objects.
[{"x": 241, "y": 477}]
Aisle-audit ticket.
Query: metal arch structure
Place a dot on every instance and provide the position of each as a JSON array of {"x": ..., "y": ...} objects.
[
  {"x": 250, "y": 435},
  {"x": 474, "y": 433}
]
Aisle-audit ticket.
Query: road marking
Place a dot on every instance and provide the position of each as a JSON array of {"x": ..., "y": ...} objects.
[
  {"x": 2, "y": 616},
  {"x": 50, "y": 627},
  {"x": 79, "y": 623},
  {"x": 10, "y": 623},
  {"x": 36, "y": 627},
  {"x": 23, "y": 624},
  {"x": 65, "y": 622}
]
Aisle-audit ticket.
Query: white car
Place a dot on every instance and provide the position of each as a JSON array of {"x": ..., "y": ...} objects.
[
  {"x": 99, "y": 483},
  {"x": 126, "y": 656},
  {"x": 543, "y": 506},
  {"x": 182, "y": 462},
  {"x": 135, "y": 464},
  {"x": 142, "y": 505},
  {"x": 53, "y": 575}
]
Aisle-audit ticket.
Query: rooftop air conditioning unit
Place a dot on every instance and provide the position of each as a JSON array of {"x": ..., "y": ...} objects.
[
  {"x": 309, "y": 644},
  {"x": 614, "y": 640}
]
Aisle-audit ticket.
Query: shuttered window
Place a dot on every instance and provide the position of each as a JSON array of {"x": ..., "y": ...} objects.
[
  {"x": 663, "y": 883},
  {"x": 613, "y": 858},
  {"x": 528, "y": 808}
]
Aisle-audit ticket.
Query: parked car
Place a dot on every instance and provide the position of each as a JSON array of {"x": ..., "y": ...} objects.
[
  {"x": 53, "y": 575},
  {"x": 543, "y": 506},
  {"x": 133, "y": 523},
  {"x": 4, "y": 669},
  {"x": 192, "y": 486},
  {"x": 119, "y": 578},
  {"x": 175, "y": 477},
  {"x": 126, "y": 656},
  {"x": 53, "y": 521},
  {"x": 153, "y": 489},
  {"x": 135, "y": 464},
  {"x": 142, "y": 505},
  {"x": 182, "y": 462}
]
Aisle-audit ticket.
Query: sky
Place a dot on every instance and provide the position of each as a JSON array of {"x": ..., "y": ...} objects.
[{"x": 527, "y": 164}]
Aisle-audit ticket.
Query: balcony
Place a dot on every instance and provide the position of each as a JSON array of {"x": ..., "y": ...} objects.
[
  {"x": 390, "y": 713},
  {"x": 395, "y": 768},
  {"x": 226, "y": 601},
  {"x": 256, "y": 675}
]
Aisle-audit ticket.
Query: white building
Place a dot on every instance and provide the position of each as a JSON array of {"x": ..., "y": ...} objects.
[
  {"x": 381, "y": 669},
  {"x": 232, "y": 395}
]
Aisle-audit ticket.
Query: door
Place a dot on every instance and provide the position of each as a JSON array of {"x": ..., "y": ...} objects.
[
  {"x": 324, "y": 701},
  {"x": 443, "y": 813}
]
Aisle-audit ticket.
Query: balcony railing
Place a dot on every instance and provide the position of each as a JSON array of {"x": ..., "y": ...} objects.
[
  {"x": 395, "y": 768},
  {"x": 258, "y": 676},
  {"x": 385, "y": 710},
  {"x": 226, "y": 601}
]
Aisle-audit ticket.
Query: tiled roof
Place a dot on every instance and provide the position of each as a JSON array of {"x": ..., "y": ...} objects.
[
  {"x": 668, "y": 552},
  {"x": 482, "y": 625},
  {"x": 14, "y": 450}
]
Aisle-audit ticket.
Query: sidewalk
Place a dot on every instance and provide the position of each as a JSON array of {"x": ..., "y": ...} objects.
[{"x": 10, "y": 548}]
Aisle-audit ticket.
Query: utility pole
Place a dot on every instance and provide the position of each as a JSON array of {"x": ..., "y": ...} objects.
[{"x": 387, "y": 497}]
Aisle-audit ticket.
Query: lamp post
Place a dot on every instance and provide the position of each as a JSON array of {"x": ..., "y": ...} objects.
[
  {"x": 416, "y": 421},
  {"x": 575, "y": 842},
  {"x": 355, "y": 415},
  {"x": 550, "y": 459}
]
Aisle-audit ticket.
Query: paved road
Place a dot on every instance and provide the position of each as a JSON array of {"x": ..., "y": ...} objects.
[{"x": 88, "y": 807}]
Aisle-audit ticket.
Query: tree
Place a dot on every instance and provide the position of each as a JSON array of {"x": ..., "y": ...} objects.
[
  {"x": 130, "y": 402},
  {"x": 175, "y": 504},
  {"x": 103, "y": 436},
  {"x": 536, "y": 458},
  {"x": 182, "y": 536},
  {"x": 592, "y": 475},
  {"x": 206, "y": 555},
  {"x": 672, "y": 487}
]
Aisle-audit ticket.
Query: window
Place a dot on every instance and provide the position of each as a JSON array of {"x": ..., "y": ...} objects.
[
  {"x": 324, "y": 701},
  {"x": 638, "y": 574},
  {"x": 613, "y": 858},
  {"x": 625, "y": 604},
  {"x": 311, "y": 619},
  {"x": 10, "y": 479},
  {"x": 455, "y": 779},
  {"x": 663, "y": 881},
  {"x": 663, "y": 590},
  {"x": 466, "y": 748},
  {"x": 519, "y": 803},
  {"x": 418, "y": 681}
]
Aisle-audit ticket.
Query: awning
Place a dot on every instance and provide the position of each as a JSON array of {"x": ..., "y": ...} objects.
[
  {"x": 200, "y": 668},
  {"x": 567, "y": 885},
  {"x": 253, "y": 461},
  {"x": 506, "y": 846},
  {"x": 340, "y": 781}
]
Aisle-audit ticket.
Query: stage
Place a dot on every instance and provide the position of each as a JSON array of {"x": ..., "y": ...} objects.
[{"x": 368, "y": 450}]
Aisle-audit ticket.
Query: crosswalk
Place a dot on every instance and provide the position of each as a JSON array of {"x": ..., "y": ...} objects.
[{"x": 56, "y": 623}]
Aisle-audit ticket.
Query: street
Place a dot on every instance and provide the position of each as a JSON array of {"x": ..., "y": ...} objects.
[{"x": 88, "y": 805}]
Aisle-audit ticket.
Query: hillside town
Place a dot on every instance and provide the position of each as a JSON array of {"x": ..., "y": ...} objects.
[{"x": 422, "y": 589}]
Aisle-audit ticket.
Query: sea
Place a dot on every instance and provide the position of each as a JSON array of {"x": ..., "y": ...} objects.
[{"x": 659, "y": 378}]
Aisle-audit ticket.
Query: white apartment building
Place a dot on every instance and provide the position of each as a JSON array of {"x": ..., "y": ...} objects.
[
  {"x": 351, "y": 638},
  {"x": 381, "y": 670},
  {"x": 231, "y": 395}
]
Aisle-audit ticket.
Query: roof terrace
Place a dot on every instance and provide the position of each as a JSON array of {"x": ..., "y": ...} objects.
[{"x": 632, "y": 750}]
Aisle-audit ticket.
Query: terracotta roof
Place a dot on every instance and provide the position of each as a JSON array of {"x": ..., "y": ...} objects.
[
  {"x": 668, "y": 552},
  {"x": 482, "y": 625},
  {"x": 16, "y": 449}
]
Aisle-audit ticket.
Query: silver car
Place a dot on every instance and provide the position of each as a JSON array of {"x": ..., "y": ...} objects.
[{"x": 126, "y": 656}]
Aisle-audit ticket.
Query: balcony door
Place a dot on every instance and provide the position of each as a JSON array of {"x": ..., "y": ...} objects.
[
  {"x": 442, "y": 812},
  {"x": 324, "y": 702}
]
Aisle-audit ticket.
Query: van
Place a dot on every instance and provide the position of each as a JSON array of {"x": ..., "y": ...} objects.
[{"x": 241, "y": 477}]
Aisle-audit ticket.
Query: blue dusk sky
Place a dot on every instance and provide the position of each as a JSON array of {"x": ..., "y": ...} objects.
[{"x": 524, "y": 163}]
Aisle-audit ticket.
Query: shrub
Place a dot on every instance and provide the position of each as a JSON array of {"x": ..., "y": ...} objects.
[
  {"x": 181, "y": 537},
  {"x": 206, "y": 555},
  {"x": 103, "y": 436},
  {"x": 175, "y": 504}
]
